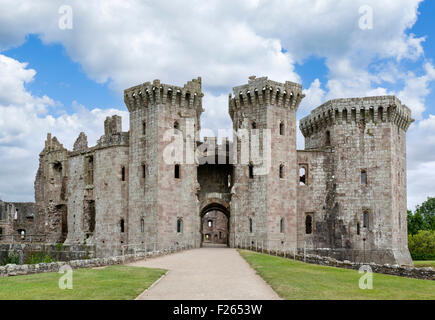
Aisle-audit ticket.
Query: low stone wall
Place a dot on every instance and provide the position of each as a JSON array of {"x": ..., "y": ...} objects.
[
  {"x": 16, "y": 270},
  {"x": 396, "y": 270},
  {"x": 57, "y": 252}
]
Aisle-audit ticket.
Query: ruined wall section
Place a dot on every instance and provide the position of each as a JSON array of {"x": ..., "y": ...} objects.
[
  {"x": 157, "y": 112},
  {"x": 268, "y": 198},
  {"x": 362, "y": 217},
  {"x": 51, "y": 191}
]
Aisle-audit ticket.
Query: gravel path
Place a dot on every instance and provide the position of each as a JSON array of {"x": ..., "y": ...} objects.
[{"x": 206, "y": 274}]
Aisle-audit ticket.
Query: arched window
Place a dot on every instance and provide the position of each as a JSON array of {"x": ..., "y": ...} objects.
[
  {"x": 210, "y": 223},
  {"x": 144, "y": 128},
  {"x": 122, "y": 225},
  {"x": 281, "y": 129},
  {"x": 144, "y": 171},
  {"x": 281, "y": 225},
  {"x": 308, "y": 224},
  {"x": 251, "y": 171},
  {"x": 328, "y": 138},
  {"x": 365, "y": 219},
  {"x": 142, "y": 225},
  {"x": 180, "y": 225},
  {"x": 281, "y": 171},
  {"x": 358, "y": 229},
  {"x": 363, "y": 177},
  {"x": 229, "y": 181},
  {"x": 302, "y": 176},
  {"x": 250, "y": 225}
]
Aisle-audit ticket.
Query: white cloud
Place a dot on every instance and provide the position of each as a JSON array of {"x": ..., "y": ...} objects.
[
  {"x": 314, "y": 96},
  {"x": 24, "y": 123}
]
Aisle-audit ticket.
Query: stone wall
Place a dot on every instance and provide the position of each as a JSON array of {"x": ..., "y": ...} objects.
[
  {"x": 16, "y": 270},
  {"x": 396, "y": 270}
]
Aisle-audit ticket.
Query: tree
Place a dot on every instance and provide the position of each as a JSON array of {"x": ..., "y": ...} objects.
[
  {"x": 415, "y": 222},
  {"x": 422, "y": 245},
  {"x": 427, "y": 211}
]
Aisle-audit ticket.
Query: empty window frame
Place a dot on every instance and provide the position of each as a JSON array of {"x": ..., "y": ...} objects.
[
  {"x": 281, "y": 171},
  {"x": 281, "y": 129},
  {"x": 251, "y": 171},
  {"x": 281, "y": 225},
  {"x": 122, "y": 225},
  {"x": 309, "y": 223},
  {"x": 179, "y": 225},
  {"x": 142, "y": 225},
  {"x": 365, "y": 219},
  {"x": 210, "y": 223},
  {"x": 303, "y": 175},
  {"x": 363, "y": 176},
  {"x": 144, "y": 128},
  {"x": 250, "y": 225},
  {"x": 177, "y": 171},
  {"x": 144, "y": 171},
  {"x": 328, "y": 138},
  {"x": 122, "y": 173}
]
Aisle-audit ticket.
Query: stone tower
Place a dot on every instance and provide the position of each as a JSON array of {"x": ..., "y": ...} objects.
[
  {"x": 362, "y": 214},
  {"x": 163, "y": 204},
  {"x": 263, "y": 204}
]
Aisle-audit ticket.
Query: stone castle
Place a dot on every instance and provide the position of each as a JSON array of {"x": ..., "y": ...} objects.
[{"x": 343, "y": 196}]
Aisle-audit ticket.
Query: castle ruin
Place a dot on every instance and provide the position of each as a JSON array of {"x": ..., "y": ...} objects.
[{"x": 343, "y": 196}]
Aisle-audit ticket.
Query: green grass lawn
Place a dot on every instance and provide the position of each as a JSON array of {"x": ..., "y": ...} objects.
[
  {"x": 423, "y": 263},
  {"x": 298, "y": 280},
  {"x": 110, "y": 283}
]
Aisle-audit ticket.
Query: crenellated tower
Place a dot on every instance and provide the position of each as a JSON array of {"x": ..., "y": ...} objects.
[
  {"x": 163, "y": 185},
  {"x": 263, "y": 204},
  {"x": 364, "y": 213}
]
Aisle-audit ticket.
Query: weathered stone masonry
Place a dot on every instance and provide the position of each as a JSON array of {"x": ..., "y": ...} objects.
[{"x": 344, "y": 196}]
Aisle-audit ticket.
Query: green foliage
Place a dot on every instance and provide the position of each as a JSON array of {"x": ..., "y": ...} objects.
[
  {"x": 59, "y": 247},
  {"x": 39, "y": 257},
  {"x": 422, "y": 245},
  {"x": 423, "y": 218},
  {"x": 12, "y": 258}
]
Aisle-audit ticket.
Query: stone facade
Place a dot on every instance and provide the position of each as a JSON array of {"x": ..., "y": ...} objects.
[{"x": 344, "y": 196}]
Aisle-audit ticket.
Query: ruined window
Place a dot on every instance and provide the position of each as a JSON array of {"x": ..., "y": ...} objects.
[
  {"x": 176, "y": 126},
  {"x": 365, "y": 219},
  {"x": 89, "y": 163},
  {"x": 16, "y": 214},
  {"x": 144, "y": 128},
  {"x": 250, "y": 225},
  {"x": 229, "y": 181},
  {"x": 177, "y": 171},
  {"x": 210, "y": 223},
  {"x": 22, "y": 234},
  {"x": 144, "y": 171},
  {"x": 180, "y": 225},
  {"x": 254, "y": 125},
  {"x": 57, "y": 166},
  {"x": 281, "y": 225},
  {"x": 281, "y": 171},
  {"x": 302, "y": 176},
  {"x": 220, "y": 235},
  {"x": 309, "y": 224},
  {"x": 363, "y": 177},
  {"x": 142, "y": 225},
  {"x": 358, "y": 229},
  {"x": 123, "y": 173},
  {"x": 89, "y": 216},
  {"x": 1, "y": 233},
  {"x": 281, "y": 129},
  {"x": 328, "y": 138},
  {"x": 122, "y": 225},
  {"x": 251, "y": 171}
]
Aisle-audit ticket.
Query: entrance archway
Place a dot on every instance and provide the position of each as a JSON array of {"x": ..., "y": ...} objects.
[{"x": 215, "y": 223}]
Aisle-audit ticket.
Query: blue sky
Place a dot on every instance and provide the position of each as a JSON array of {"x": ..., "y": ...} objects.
[{"x": 67, "y": 81}]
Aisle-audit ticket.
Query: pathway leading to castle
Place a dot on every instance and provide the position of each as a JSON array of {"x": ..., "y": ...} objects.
[{"x": 206, "y": 274}]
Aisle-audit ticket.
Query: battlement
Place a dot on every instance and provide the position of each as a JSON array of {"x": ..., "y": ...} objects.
[
  {"x": 143, "y": 95},
  {"x": 262, "y": 92},
  {"x": 368, "y": 109}
]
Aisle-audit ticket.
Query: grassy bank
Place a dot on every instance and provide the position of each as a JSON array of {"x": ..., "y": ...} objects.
[
  {"x": 109, "y": 283},
  {"x": 424, "y": 263},
  {"x": 298, "y": 280}
]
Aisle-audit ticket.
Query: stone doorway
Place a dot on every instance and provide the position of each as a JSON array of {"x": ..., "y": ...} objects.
[{"x": 214, "y": 228}]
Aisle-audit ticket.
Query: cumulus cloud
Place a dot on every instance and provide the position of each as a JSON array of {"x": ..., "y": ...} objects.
[{"x": 24, "y": 123}]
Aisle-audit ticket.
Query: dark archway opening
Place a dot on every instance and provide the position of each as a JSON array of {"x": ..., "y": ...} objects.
[{"x": 215, "y": 225}]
